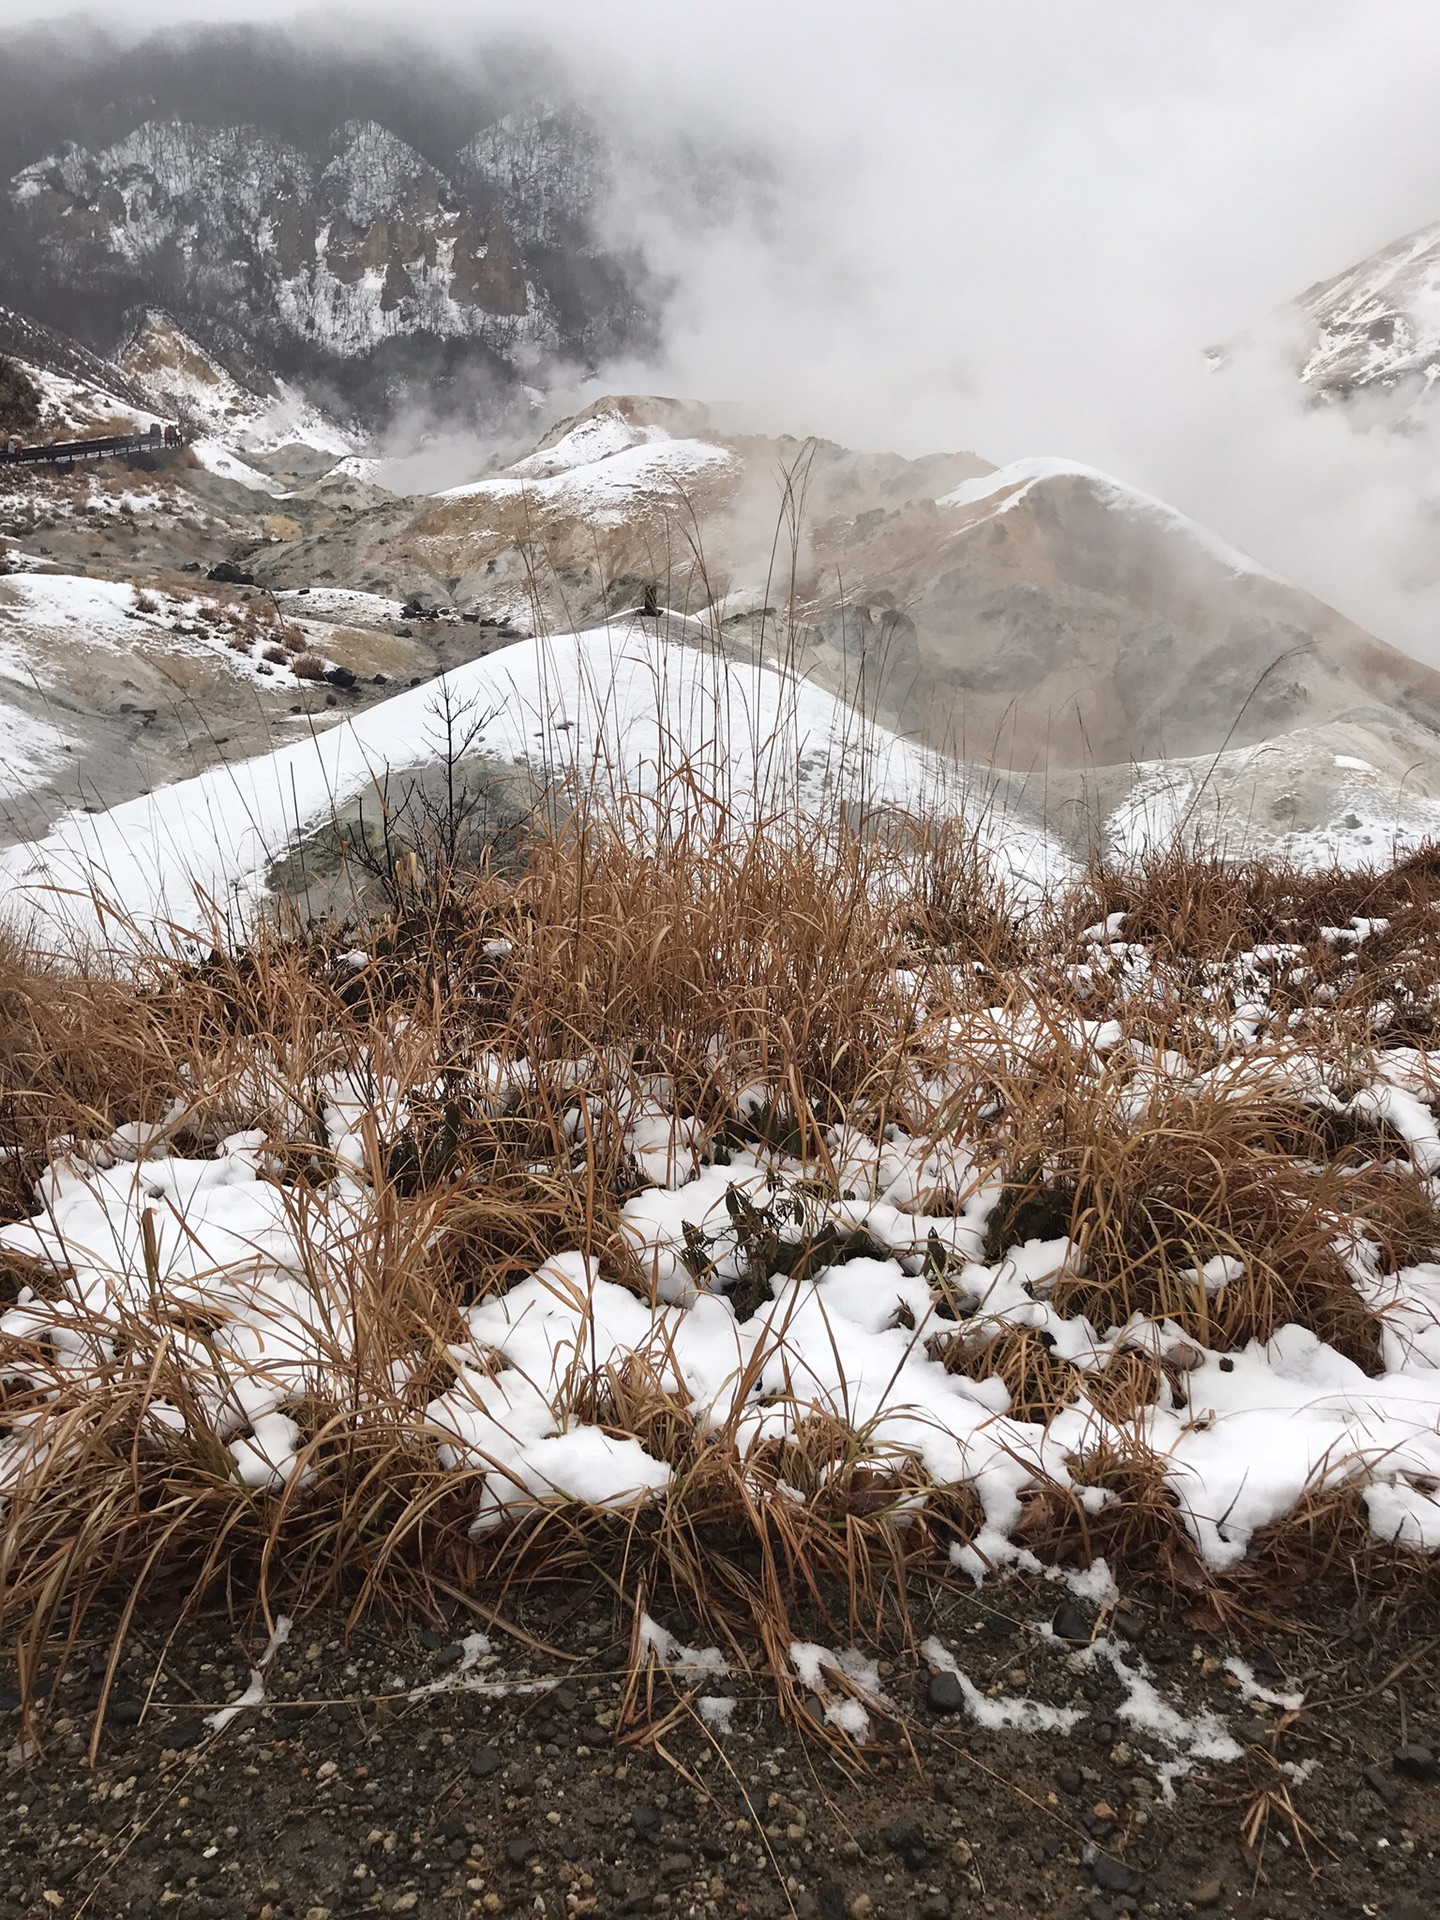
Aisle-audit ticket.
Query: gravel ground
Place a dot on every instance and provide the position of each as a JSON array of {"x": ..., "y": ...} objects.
[{"x": 417, "y": 1769}]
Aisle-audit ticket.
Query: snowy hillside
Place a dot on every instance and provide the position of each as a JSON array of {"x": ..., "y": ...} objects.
[
  {"x": 1377, "y": 325},
  {"x": 191, "y": 386},
  {"x": 609, "y": 714}
]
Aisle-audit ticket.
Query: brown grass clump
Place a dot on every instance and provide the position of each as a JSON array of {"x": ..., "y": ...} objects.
[
  {"x": 521, "y": 1009},
  {"x": 305, "y": 666}
]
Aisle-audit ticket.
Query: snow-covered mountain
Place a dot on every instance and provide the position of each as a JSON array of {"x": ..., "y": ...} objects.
[
  {"x": 1375, "y": 328},
  {"x": 375, "y": 224},
  {"x": 316, "y": 260}
]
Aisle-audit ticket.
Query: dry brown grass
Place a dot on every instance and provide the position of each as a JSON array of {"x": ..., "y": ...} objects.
[{"x": 702, "y": 958}]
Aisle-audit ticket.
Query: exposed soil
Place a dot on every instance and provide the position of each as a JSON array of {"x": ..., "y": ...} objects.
[{"x": 384, "y": 1774}]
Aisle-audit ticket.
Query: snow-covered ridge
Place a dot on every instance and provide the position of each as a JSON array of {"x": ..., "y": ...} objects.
[
  {"x": 1011, "y": 484},
  {"x": 609, "y": 489},
  {"x": 613, "y": 710},
  {"x": 591, "y": 439}
]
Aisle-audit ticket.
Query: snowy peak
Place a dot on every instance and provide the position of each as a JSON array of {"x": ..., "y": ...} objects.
[
  {"x": 1377, "y": 325},
  {"x": 612, "y": 425},
  {"x": 998, "y": 492}
]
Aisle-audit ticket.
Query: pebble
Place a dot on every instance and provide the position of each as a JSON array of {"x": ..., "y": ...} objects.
[
  {"x": 1415, "y": 1762},
  {"x": 1380, "y": 1784},
  {"x": 1207, "y": 1894},
  {"x": 944, "y": 1694},
  {"x": 861, "y": 1907},
  {"x": 1111, "y": 1874},
  {"x": 1069, "y": 1780},
  {"x": 519, "y": 1850},
  {"x": 645, "y": 1822},
  {"x": 907, "y": 1838},
  {"x": 1070, "y": 1624},
  {"x": 485, "y": 1762}
]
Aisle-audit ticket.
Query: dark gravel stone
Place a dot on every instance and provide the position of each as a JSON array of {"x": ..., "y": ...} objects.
[
  {"x": 1100, "y": 1910},
  {"x": 997, "y": 1627},
  {"x": 831, "y": 1896},
  {"x": 1415, "y": 1762},
  {"x": 1129, "y": 1626},
  {"x": 1382, "y": 1786},
  {"x": 1069, "y": 1780},
  {"x": 485, "y": 1762},
  {"x": 1111, "y": 1874},
  {"x": 944, "y": 1694},
  {"x": 521, "y": 1849},
  {"x": 907, "y": 1838},
  {"x": 448, "y": 1656},
  {"x": 564, "y": 1699},
  {"x": 645, "y": 1822},
  {"x": 1070, "y": 1624}
]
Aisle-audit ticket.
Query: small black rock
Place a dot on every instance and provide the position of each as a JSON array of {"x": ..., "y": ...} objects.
[
  {"x": 645, "y": 1822},
  {"x": 1068, "y": 1780},
  {"x": 997, "y": 1627},
  {"x": 1380, "y": 1784},
  {"x": 831, "y": 1896},
  {"x": 1415, "y": 1762},
  {"x": 1070, "y": 1624},
  {"x": 518, "y": 1851},
  {"x": 485, "y": 1762},
  {"x": 944, "y": 1694},
  {"x": 1111, "y": 1874}
]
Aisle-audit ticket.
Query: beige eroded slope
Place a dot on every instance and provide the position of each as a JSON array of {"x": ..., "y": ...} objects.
[{"x": 1042, "y": 616}]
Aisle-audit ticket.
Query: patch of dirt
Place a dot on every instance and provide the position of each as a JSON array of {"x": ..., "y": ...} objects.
[{"x": 411, "y": 1770}]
